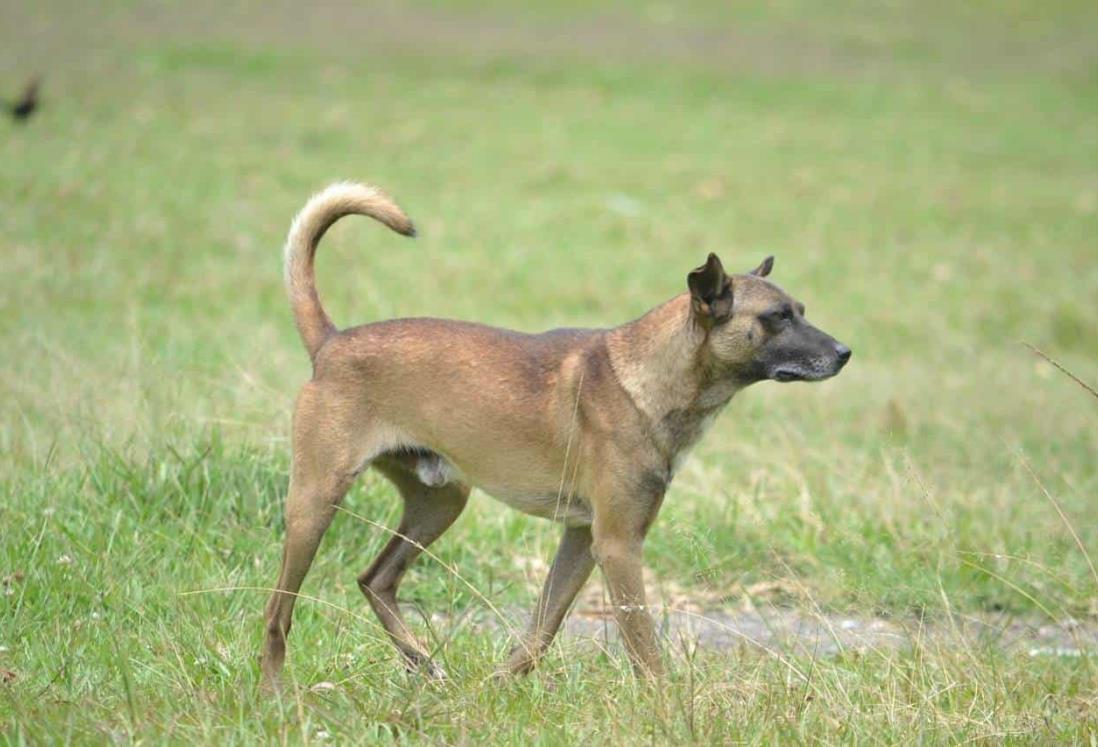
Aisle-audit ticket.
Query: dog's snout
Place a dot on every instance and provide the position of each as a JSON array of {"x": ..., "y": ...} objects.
[{"x": 843, "y": 352}]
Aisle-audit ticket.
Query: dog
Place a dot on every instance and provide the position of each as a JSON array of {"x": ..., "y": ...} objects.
[{"x": 585, "y": 427}]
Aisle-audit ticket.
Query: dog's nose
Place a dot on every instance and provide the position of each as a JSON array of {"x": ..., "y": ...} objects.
[{"x": 843, "y": 352}]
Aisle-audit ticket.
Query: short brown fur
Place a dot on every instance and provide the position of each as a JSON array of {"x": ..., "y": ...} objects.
[{"x": 585, "y": 427}]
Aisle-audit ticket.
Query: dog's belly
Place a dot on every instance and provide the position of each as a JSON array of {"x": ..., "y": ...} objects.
[
  {"x": 570, "y": 510},
  {"x": 435, "y": 470}
]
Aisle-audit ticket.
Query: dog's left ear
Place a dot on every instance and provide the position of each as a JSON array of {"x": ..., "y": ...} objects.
[
  {"x": 764, "y": 269},
  {"x": 711, "y": 291}
]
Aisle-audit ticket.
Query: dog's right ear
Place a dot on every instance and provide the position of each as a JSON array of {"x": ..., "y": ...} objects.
[
  {"x": 711, "y": 291},
  {"x": 764, "y": 269}
]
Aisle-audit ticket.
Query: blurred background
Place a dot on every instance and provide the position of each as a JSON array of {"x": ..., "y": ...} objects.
[{"x": 926, "y": 174}]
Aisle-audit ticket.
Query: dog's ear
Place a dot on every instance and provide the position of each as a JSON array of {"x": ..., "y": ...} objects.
[
  {"x": 711, "y": 291},
  {"x": 764, "y": 269}
]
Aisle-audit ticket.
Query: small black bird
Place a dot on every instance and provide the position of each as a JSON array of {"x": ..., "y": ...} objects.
[{"x": 24, "y": 107}]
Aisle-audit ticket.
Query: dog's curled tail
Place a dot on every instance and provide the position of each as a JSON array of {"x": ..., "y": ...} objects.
[{"x": 320, "y": 212}]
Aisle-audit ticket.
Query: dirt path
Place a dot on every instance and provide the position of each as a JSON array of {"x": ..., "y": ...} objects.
[{"x": 805, "y": 632}]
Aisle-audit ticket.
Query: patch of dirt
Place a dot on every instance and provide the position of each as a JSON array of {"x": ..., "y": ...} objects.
[
  {"x": 780, "y": 615},
  {"x": 804, "y": 632}
]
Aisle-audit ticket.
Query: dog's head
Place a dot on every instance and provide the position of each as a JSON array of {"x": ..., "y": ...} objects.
[{"x": 757, "y": 331}]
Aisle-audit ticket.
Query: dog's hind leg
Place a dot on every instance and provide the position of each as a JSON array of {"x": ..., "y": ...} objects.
[
  {"x": 428, "y": 512},
  {"x": 571, "y": 568},
  {"x": 325, "y": 464}
]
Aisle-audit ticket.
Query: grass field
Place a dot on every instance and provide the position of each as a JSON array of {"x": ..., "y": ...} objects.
[{"x": 925, "y": 173}]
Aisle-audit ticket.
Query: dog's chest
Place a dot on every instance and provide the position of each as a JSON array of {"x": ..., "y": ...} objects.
[
  {"x": 681, "y": 429},
  {"x": 689, "y": 438}
]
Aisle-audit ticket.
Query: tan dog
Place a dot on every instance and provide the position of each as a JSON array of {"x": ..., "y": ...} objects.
[{"x": 585, "y": 427}]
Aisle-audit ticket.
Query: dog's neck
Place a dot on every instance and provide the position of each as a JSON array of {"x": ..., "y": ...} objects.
[{"x": 658, "y": 359}]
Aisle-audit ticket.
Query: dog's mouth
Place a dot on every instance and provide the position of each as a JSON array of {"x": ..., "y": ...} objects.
[
  {"x": 811, "y": 368},
  {"x": 787, "y": 374}
]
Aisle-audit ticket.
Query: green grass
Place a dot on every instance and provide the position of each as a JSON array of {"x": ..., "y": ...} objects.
[{"x": 927, "y": 177}]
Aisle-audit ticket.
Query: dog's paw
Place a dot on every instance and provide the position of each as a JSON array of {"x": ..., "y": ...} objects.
[
  {"x": 504, "y": 676},
  {"x": 434, "y": 672},
  {"x": 270, "y": 686},
  {"x": 429, "y": 669},
  {"x": 516, "y": 668}
]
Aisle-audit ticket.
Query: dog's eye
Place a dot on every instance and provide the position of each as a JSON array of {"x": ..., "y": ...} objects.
[{"x": 777, "y": 318}]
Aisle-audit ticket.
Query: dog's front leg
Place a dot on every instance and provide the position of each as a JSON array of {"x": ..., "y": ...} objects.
[{"x": 618, "y": 548}]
